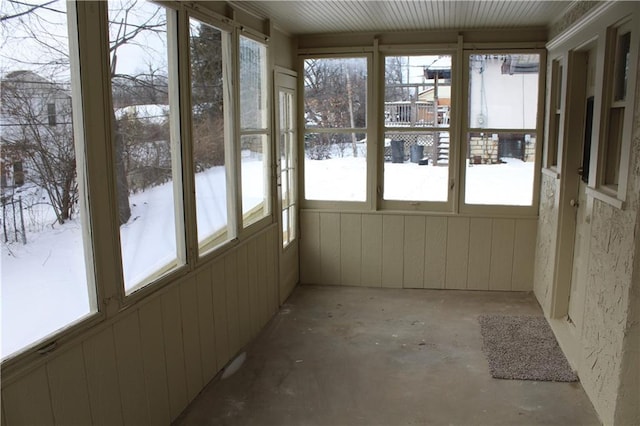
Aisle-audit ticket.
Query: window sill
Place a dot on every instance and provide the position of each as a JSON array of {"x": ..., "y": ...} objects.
[{"x": 606, "y": 196}]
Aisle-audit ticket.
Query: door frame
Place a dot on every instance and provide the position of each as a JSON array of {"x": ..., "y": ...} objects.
[
  {"x": 289, "y": 256},
  {"x": 573, "y": 138}
]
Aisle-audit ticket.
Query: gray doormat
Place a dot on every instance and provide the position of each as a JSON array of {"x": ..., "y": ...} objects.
[{"x": 523, "y": 348}]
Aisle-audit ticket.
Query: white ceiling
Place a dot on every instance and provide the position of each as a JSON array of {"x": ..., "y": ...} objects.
[{"x": 329, "y": 16}]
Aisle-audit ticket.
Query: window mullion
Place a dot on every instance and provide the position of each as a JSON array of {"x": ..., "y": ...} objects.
[
  {"x": 181, "y": 40},
  {"x": 94, "y": 63}
]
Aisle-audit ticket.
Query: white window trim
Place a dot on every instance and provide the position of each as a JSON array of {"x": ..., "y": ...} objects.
[
  {"x": 453, "y": 129},
  {"x": 603, "y": 192},
  {"x": 370, "y": 130},
  {"x": 495, "y": 209}
]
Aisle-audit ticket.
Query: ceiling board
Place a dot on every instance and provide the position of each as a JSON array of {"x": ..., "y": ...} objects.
[{"x": 332, "y": 16}]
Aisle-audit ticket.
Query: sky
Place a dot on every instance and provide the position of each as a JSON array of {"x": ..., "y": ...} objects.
[{"x": 20, "y": 49}]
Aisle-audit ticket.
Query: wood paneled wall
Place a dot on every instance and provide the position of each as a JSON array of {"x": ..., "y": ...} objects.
[
  {"x": 417, "y": 251},
  {"x": 147, "y": 364}
]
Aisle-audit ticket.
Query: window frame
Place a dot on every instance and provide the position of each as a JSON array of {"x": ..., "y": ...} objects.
[
  {"x": 616, "y": 194},
  {"x": 176, "y": 119},
  {"x": 267, "y": 210},
  {"x": 369, "y": 130},
  {"x": 466, "y": 129},
  {"x": 555, "y": 108},
  {"x": 453, "y": 129},
  {"x": 213, "y": 243}
]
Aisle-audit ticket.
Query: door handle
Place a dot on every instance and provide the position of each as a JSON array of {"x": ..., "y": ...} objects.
[{"x": 574, "y": 203}]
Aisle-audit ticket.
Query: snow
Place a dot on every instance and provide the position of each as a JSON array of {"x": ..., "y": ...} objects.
[
  {"x": 43, "y": 285},
  {"x": 151, "y": 113},
  {"x": 43, "y": 282}
]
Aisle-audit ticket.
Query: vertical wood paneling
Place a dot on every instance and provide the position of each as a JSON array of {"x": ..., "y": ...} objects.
[
  {"x": 220, "y": 313},
  {"x": 310, "y": 247},
  {"x": 351, "y": 248},
  {"x": 174, "y": 352},
  {"x": 154, "y": 361},
  {"x": 252, "y": 261},
  {"x": 414, "y": 243},
  {"x": 68, "y": 386},
  {"x": 126, "y": 334},
  {"x": 206, "y": 325},
  {"x": 261, "y": 245},
  {"x": 371, "y": 250},
  {"x": 243, "y": 295},
  {"x": 392, "y": 250},
  {"x": 27, "y": 401},
  {"x": 435, "y": 255},
  {"x": 330, "y": 248},
  {"x": 524, "y": 251},
  {"x": 457, "y": 252},
  {"x": 231, "y": 285},
  {"x": 102, "y": 378},
  {"x": 272, "y": 273},
  {"x": 479, "y": 254},
  {"x": 191, "y": 337},
  {"x": 501, "y": 254},
  {"x": 3, "y": 418}
]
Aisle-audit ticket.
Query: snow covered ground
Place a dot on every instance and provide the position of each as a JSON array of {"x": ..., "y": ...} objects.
[
  {"x": 344, "y": 179},
  {"x": 43, "y": 282}
]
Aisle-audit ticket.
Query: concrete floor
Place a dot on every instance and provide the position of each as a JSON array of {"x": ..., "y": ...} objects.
[{"x": 357, "y": 356}]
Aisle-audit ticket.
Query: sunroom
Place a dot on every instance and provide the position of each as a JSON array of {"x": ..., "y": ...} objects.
[{"x": 179, "y": 177}]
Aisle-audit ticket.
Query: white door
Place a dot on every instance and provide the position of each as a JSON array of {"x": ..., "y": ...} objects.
[
  {"x": 286, "y": 155},
  {"x": 583, "y": 205}
]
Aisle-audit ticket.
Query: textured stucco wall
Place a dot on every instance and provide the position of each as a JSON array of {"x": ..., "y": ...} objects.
[
  {"x": 611, "y": 290},
  {"x": 609, "y": 342},
  {"x": 546, "y": 242},
  {"x": 628, "y": 406}
]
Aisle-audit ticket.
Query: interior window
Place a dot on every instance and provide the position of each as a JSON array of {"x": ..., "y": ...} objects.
[
  {"x": 146, "y": 141},
  {"x": 335, "y": 138},
  {"x": 417, "y": 116},
  {"x": 45, "y": 283},
  {"x": 502, "y": 134},
  {"x": 210, "y": 106}
]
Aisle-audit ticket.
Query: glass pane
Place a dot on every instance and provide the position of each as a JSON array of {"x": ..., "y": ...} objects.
[
  {"x": 208, "y": 61},
  {"x": 622, "y": 64},
  {"x": 335, "y": 166},
  {"x": 255, "y": 178},
  {"x": 417, "y": 91},
  {"x": 335, "y": 92},
  {"x": 500, "y": 169},
  {"x": 503, "y": 91},
  {"x": 416, "y": 166},
  {"x": 285, "y": 227},
  {"x": 613, "y": 147},
  {"x": 144, "y": 147},
  {"x": 284, "y": 186},
  {"x": 44, "y": 281},
  {"x": 253, "y": 85}
]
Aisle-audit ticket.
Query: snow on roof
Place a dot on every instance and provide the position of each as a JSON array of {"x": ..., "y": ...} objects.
[{"x": 154, "y": 113}]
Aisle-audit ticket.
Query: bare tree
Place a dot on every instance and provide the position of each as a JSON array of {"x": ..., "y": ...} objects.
[
  {"x": 38, "y": 129},
  {"x": 41, "y": 34}
]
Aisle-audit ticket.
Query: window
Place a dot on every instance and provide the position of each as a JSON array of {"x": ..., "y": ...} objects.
[
  {"x": 502, "y": 129},
  {"x": 254, "y": 131},
  {"x": 417, "y": 115},
  {"x": 335, "y": 135},
  {"x": 51, "y": 114},
  {"x": 45, "y": 281},
  {"x": 555, "y": 114},
  {"x": 146, "y": 141},
  {"x": 210, "y": 50},
  {"x": 618, "y": 103},
  {"x": 288, "y": 170}
]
